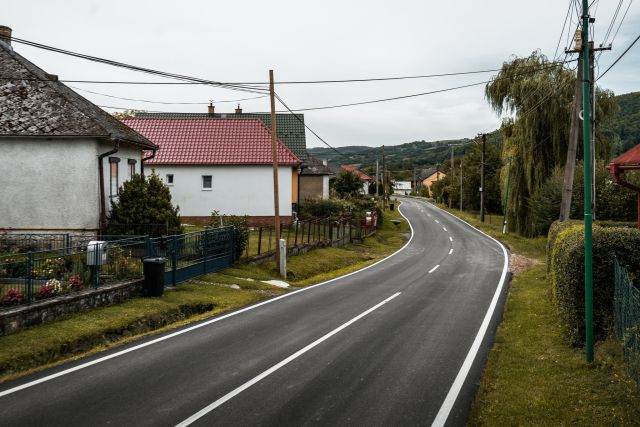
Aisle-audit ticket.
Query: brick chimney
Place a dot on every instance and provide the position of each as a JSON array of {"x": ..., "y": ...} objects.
[
  {"x": 211, "y": 109},
  {"x": 5, "y": 34},
  {"x": 238, "y": 110}
]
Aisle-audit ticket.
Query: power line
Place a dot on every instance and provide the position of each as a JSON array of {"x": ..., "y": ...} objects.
[
  {"x": 164, "y": 102},
  {"x": 620, "y": 57},
  {"x": 139, "y": 69}
]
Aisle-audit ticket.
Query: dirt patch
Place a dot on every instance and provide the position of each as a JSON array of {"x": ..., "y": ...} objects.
[{"x": 519, "y": 263}]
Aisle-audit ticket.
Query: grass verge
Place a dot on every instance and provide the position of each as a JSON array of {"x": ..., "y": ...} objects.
[
  {"x": 85, "y": 333},
  {"x": 532, "y": 376}
]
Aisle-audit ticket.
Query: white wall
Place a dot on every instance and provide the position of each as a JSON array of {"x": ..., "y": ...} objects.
[
  {"x": 325, "y": 187},
  {"x": 48, "y": 183},
  {"x": 236, "y": 190},
  {"x": 54, "y": 183},
  {"x": 124, "y": 153}
]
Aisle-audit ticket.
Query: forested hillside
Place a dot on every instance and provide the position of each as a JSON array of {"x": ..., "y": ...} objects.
[{"x": 624, "y": 127}]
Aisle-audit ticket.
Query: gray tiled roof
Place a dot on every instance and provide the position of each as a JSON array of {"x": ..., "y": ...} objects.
[
  {"x": 290, "y": 130},
  {"x": 314, "y": 166},
  {"x": 34, "y": 103}
]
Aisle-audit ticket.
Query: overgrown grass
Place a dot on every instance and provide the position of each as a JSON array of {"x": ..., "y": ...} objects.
[
  {"x": 88, "y": 332},
  {"x": 532, "y": 376}
]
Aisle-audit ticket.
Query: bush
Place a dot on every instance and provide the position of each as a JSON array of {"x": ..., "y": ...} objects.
[
  {"x": 241, "y": 234},
  {"x": 144, "y": 207},
  {"x": 567, "y": 275},
  {"x": 13, "y": 297}
]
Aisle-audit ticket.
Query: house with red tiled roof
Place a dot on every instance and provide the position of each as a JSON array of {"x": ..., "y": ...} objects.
[
  {"x": 222, "y": 165},
  {"x": 366, "y": 179},
  {"x": 63, "y": 159}
]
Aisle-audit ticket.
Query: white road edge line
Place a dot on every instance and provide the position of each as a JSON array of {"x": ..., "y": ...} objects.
[
  {"x": 450, "y": 251},
  {"x": 434, "y": 269},
  {"x": 450, "y": 399},
  {"x": 204, "y": 411},
  {"x": 199, "y": 325}
]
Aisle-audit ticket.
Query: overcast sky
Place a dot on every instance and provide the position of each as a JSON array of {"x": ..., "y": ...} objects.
[{"x": 239, "y": 41}]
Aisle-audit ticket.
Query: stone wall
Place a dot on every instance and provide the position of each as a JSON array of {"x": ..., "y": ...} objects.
[{"x": 15, "y": 319}]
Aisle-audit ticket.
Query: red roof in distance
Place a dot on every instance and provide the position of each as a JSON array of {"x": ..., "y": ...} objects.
[
  {"x": 205, "y": 141},
  {"x": 629, "y": 159},
  {"x": 351, "y": 168}
]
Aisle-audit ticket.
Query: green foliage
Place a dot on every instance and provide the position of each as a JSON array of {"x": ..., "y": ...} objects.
[
  {"x": 624, "y": 126},
  {"x": 567, "y": 275},
  {"x": 544, "y": 203},
  {"x": 541, "y": 96},
  {"x": 355, "y": 207},
  {"x": 241, "y": 234},
  {"x": 144, "y": 207},
  {"x": 346, "y": 183}
]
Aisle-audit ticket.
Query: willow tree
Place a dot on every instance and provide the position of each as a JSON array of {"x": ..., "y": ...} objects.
[{"x": 537, "y": 96}]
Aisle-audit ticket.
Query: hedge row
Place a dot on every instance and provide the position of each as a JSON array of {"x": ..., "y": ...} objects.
[{"x": 566, "y": 268}]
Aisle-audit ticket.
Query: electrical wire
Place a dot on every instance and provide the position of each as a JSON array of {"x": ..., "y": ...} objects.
[
  {"x": 163, "y": 102},
  {"x": 139, "y": 69},
  {"x": 562, "y": 32},
  {"x": 619, "y": 58}
]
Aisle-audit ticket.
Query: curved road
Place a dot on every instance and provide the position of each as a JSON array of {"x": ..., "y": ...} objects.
[{"x": 401, "y": 342}]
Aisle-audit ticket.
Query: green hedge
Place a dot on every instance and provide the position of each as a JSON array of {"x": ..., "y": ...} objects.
[{"x": 567, "y": 274}]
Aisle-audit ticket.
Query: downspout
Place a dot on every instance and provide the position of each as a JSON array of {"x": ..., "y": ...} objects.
[
  {"x": 153, "y": 154},
  {"x": 103, "y": 212},
  {"x": 616, "y": 171}
]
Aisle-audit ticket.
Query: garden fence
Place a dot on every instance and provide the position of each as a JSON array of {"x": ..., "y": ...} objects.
[
  {"x": 627, "y": 319},
  {"x": 36, "y": 275},
  {"x": 262, "y": 241}
]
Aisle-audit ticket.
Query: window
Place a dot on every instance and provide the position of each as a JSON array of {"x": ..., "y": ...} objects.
[
  {"x": 169, "y": 179},
  {"x": 207, "y": 182},
  {"x": 113, "y": 176},
  {"x": 132, "y": 167}
]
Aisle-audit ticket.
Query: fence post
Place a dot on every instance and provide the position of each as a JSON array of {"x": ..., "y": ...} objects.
[
  {"x": 309, "y": 232},
  {"x": 232, "y": 255},
  {"x": 259, "y": 239},
  {"x": 30, "y": 278},
  {"x": 96, "y": 270},
  {"x": 174, "y": 259},
  {"x": 67, "y": 243},
  {"x": 204, "y": 252}
]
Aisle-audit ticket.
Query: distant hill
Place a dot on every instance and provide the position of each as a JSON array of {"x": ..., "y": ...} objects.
[
  {"x": 400, "y": 159},
  {"x": 624, "y": 127}
]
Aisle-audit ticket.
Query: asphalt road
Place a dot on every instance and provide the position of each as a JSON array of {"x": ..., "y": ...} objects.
[{"x": 402, "y": 342}]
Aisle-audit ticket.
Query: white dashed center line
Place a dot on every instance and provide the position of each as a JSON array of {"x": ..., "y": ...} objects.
[
  {"x": 434, "y": 269},
  {"x": 444, "y": 228},
  {"x": 450, "y": 251},
  {"x": 451, "y": 238}
]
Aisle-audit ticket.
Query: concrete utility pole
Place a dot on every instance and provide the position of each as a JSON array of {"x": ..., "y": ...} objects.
[
  {"x": 384, "y": 187},
  {"x": 484, "y": 141},
  {"x": 274, "y": 156},
  {"x": 437, "y": 177},
  {"x": 377, "y": 180},
  {"x": 460, "y": 184},
  {"x": 592, "y": 124},
  {"x": 452, "y": 176},
  {"x": 570, "y": 166}
]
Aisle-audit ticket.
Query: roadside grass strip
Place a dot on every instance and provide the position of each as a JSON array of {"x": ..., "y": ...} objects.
[{"x": 78, "y": 335}]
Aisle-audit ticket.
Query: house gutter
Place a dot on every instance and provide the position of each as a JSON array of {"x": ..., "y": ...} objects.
[
  {"x": 153, "y": 154},
  {"x": 615, "y": 170},
  {"x": 103, "y": 211}
]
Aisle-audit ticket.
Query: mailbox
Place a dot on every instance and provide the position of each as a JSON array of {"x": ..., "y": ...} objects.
[{"x": 97, "y": 252}]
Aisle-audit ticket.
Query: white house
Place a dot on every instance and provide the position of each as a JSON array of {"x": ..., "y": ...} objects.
[
  {"x": 222, "y": 165},
  {"x": 62, "y": 158},
  {"x": 402, "y": 187}
]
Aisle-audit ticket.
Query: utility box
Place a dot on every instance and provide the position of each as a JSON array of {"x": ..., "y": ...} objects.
[
  {"x": 153, "y": 276},
  {"x": 97, "y": 252}
]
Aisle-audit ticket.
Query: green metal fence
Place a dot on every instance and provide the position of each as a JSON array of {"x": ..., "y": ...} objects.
[
  {"x": 627, "y": 319},
  {"x": 36, "y": 275}
]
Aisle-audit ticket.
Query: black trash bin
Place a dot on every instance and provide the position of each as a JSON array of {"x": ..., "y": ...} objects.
[
  {"x": 391, "y": 206},
  {"x": 154, "y": 276}
]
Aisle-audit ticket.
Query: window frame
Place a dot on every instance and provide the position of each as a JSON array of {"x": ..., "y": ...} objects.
[
  {"x": 171, "y": 181},
  {"x": 132, "y": 167},
  {"x": 210, "y": 188},
  {"x": 114, "y": 172}
]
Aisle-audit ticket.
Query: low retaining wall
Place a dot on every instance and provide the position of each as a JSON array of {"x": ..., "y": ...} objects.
[{"x": 15, "y": 319}]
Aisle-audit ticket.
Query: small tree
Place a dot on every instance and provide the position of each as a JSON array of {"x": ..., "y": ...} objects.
[
  {"x": 143, "y": 207},
  {"x": 241, "y": 225},
  {"x": 346, "y": 183}
]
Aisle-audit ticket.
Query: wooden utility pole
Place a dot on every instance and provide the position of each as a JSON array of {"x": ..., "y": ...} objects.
[
  {"x": 274, "y": 156},
  {"x": 384, "y": 187},
  {"x": 484, "y": 143},
  {"x": 452, "y": 176},
  {"x": 570, "y": 166},
  {"x": 460, "y": 184}
]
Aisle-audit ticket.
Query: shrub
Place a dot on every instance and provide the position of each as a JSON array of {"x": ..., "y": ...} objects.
[
  {"x": 567, "y": 275},
  {"x": 241, "y": 234},
  {"x": 50, "y": 268},
  {"x": 46, "y": 291},
  {"x": 13, "y": 297},
  {"x": 143, "y": 207}
]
